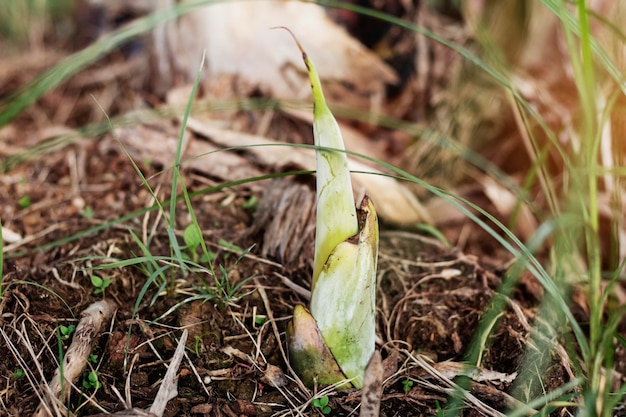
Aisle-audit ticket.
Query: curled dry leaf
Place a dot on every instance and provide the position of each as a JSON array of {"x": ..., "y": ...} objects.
[
  {"x": 244, "y": 27},
  {"x": 274, "y": 376}
]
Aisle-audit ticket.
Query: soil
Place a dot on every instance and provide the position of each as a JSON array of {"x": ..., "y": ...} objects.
[{"x": 430, "y": 302}]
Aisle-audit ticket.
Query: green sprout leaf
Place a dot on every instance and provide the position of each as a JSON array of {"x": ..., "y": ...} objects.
[
  {"x": 192, "y": 237},
  {"x": 92, "y": 381},
  {"x": 24, "y": 202},
  {"x": 66, "y": 331},
  {"x": 96, "y": 281},
  {"x": 407, "y": 384},
  {"x": 321, "y": 404},
  {"x": 336, "y": 213},
  {"x": 88, "y": 212},
  {"x": 100, "y": 284},
  {"x": 251, "y": 203},
  {"x": 208, "y": 257},
  {"x": 344, "y": 270}
]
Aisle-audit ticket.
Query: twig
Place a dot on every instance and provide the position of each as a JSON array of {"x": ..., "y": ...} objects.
[
  {"x": 372, "y": 387},
  {"x": 168, "y": 388},
  {"x": 88, "y": 329}
]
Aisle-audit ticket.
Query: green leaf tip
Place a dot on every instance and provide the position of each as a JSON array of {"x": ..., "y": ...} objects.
[{"x": 336, "y": 212}]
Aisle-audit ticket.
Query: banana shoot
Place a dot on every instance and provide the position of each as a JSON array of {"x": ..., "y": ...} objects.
[{"x": 335, "y": 341}]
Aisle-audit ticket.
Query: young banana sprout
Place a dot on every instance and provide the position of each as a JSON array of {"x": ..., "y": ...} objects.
[{"x": 335, "y": 341}]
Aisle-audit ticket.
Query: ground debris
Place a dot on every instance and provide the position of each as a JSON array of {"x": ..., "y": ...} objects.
[{"x": 88, "y": 329}]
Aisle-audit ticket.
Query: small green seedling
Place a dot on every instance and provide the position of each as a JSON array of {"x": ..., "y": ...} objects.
[
  {"x": 100, "y": 284},
  {"x": 260, "y": 320},
  {"x": 93, "y": 358},
  {"x": 92, "y": 381},
  {"x": 407, "y": 384},
  {"x": 250, "y": 204},
  {"x": 87, "y": 213},
  {"x": 192, "y": 237},
  {"x": 19, "y": 373},
  {"x": 321, "y": 404},
  {"x": 66, "y": 331},
  {"x": 24, "y": 202}
]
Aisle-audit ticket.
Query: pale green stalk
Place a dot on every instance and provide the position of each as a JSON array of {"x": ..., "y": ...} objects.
[
  {"x": 344, "y": 300},
  {"x": 340, "y": 331},
  {"x": 336, "y": 213}
]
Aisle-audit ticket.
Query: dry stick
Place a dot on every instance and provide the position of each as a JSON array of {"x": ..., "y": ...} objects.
[
  {"x": 449, "y": 387},
  {"x": 372, "y": 387},
  {"x": 168, "y": 388},
  {"x": 88, "y": 329},
  {"x": 301, "y": 291}
]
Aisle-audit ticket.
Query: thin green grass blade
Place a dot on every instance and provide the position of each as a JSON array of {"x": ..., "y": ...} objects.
[
  {"x": 200, "y": 297},
  {"x": 144, "y": 181},
  {"x": 527, "y": 110},
  {"x": 571, "y": 23},
  {"x": 434, "y": 232},
  {"x": 113, "y": 263},
  {"x": 166, "y": 111},
  {"x": 557, "y": 394},
  {"x": 177, "y": 179},
  {"x": 513, "y": 245}
]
